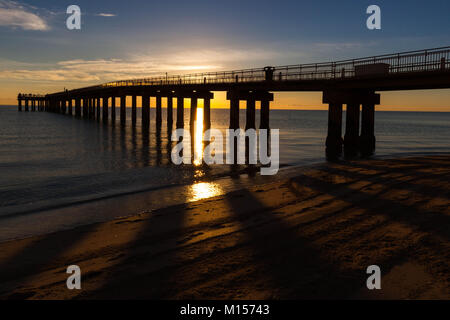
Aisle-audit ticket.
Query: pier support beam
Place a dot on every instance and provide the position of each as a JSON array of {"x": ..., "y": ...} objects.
[
  {"x": 353, "y": 99},
  {"x": 193, "y": 113},
  {"x": 264, "y": 114},
  {"x": 70, "y": 106},
  {"x": 158, "y": 113},
  {"x": 234, "y": 109},
  {"x": 145, "y": 110},
  {"x": 113, "y": 108},
  {"x": 88, "y": 108},
  {"x": 250, "y": 114},
  {"x": 351, "y": 138},
  {"x": 232, "y": 141},
  {"x": 85, "y": 107},
  {"x": 123, "y": 109},
  {"x": 169, "y": 111},
  {"x": 26, "y": 105},
  {"x": 251, "y": 97},
  {"x": 77, "y": 107},
  {"x": 334, "y": 140},
  {"x": 92, "y": 108},
  {"x": 105, "y": 109},
  {"x": 33, "y": 105},
  {"x": 206, "y": 114},
  {"x": 98, "y": 108},
  {"x": 234, "y": 113},
  {"x": 62, "y": 106},
  {"x": 133, "y": 110},
  {"x": 367, "y": 138},
  {"x": 180, "y": 112}
]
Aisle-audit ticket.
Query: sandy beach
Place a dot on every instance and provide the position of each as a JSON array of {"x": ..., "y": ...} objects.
[{"x": 308, "y": 236}]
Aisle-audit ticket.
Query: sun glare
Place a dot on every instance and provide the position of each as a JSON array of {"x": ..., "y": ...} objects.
[{"x": 198, "y": 142}]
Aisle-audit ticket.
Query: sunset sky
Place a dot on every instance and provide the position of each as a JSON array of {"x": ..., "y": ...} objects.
[{"x": 135, "y": 39}]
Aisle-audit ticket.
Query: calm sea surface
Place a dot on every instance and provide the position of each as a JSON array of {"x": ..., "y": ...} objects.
[{"x": 49, "y": 160}]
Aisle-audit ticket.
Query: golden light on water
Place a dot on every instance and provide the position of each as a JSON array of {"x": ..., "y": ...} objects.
[
  {"x": 198, "y": 138},
  {"x": 203, "y": 190}
]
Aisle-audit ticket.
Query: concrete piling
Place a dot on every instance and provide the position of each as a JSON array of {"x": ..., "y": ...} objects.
[
  {"x": 180, "y": 112},
  {"x": 193, "y": 113},
  {"x": 158, "y": 112},
  {"x": 105, "y": 108},
  {"x": 113, "y": 108},
  {"x": 250, "y": 114},
  {"x": 98, "y": 108},
  {"x": 367, "y": 138},
  {"x": 145, "y": 110},
  {"x": 123, "y": 109},
  {"x": 133, "y": 110},
  {"x": 169, "y": 111},
  {"x": 351, "y": 138},
  {"x": 207, "y": 114}
]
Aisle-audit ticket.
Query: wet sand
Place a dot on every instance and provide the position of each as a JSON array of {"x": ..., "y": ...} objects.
[{"x": 308, "y": 236}]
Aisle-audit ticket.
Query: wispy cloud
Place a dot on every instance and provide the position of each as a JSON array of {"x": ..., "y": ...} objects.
[
  {"x": 15, "y": 15},
  {"x": 136, "y": 66},
  {"x": 99, "y": 70},
  {"x": 106, "y": 15}
]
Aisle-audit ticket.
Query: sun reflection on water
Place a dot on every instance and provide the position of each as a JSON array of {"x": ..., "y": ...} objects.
[
  {"x": 203, "y": 190},
  {"x": 198, "y": 138}
]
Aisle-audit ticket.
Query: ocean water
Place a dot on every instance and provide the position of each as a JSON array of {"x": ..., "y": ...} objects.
[{"x": 49, "y": 160}]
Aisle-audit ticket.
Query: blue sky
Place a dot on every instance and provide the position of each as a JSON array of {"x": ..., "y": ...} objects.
[{"x": 126, "y": 39}]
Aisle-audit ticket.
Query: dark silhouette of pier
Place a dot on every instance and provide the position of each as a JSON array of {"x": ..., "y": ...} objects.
[{"x": 350, "y": 82}]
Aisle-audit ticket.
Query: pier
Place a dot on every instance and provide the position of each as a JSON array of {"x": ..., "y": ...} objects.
[{"x": 355, "y": 83}]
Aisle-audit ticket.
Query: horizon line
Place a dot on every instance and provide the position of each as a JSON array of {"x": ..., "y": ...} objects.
[{"x": 283, "y": 109}]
